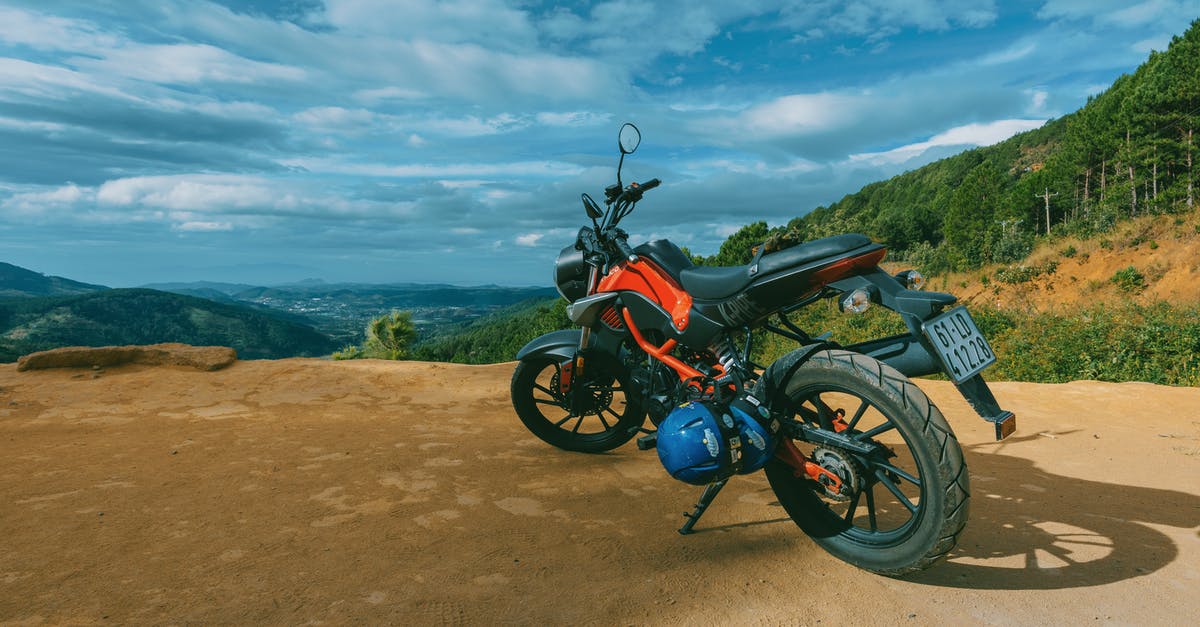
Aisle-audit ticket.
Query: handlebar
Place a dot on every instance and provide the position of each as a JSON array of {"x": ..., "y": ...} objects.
[{"x": 622, "y": 245}]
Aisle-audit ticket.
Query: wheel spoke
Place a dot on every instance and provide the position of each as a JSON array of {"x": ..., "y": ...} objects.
[
  {"x": 600, "y": 415},
  {"x": 899, "y": 471},
  {"x": 871, "y": 507},
  {"x": 866, "y": 435},
  {"x": 853, "y": 506},
  {"x": 578, "y": 423},
  {"x": 825, "y": 413},
  {"x": 547, "y": 401},
  {"x": 564, "y": 420},
  {"x": 862, "y": 409},
  {"x": 606, "y": 389},
  {"x": 609, "y": 410},
  {"x": 539, "y": 386},
  {"x": 891, "y": 487}
]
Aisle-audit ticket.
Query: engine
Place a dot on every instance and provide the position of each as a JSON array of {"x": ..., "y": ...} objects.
[{"x": 700, "y": 442}]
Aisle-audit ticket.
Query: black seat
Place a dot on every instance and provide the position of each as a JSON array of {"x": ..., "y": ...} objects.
[{"x": 721, "y": 282}]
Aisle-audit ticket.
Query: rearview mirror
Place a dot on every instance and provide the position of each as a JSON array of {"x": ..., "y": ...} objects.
[{"x": 629, "y": 138}]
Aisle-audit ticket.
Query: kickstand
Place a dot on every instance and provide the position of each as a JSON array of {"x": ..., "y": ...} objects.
[{"x": 706, "y": 498}]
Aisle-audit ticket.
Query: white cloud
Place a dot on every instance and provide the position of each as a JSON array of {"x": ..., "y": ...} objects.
[
  {"x": 1015, "y": 52},
  {"x": 200, "y": 195},
  {"x": 454, "y": 21},
  {"x": 573, "y": 118},
  {"x": 187, "y": 64},
  {"x": 1122, "y": 14},
  {"x": 42, "y": 201},
  {"x": 47, "y": 32},
  {"x": 410, "y": 170},
  {"x": 862, "y": 17},
  {"x": 802, "y": 114},
  {"x": 203, "y": 192},
  {"x": 968, "y": 135},
  {"x": 388, "y": 94},
  {"x": 529, "y": 239},
  {"x": 204, "y": 227},
  {"x": 1150, "y": 44},
  {"x": 47, "y": 82},
  {"x": 1037, "y": 101}
]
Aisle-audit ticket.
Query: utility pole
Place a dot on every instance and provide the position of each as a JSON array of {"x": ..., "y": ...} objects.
[{"x": 1047, "y": 196}]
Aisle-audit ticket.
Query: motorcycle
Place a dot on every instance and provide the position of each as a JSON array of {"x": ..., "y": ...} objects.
[{"x": 857, "y": 455}]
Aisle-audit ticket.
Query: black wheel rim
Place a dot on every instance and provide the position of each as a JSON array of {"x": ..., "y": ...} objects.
[
  {"x": 605, "y": 394},
  {"x": 888, "y": 500}
]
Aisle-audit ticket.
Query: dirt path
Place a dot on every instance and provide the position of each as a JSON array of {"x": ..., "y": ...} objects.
[{"x": 369, "y": 492}]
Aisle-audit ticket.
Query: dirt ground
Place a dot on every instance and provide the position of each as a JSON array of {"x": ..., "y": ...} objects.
[{"x": 298, "y": 491}]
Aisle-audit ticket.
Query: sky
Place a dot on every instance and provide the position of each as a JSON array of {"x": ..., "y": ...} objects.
[{"x": 378, "y": 141}]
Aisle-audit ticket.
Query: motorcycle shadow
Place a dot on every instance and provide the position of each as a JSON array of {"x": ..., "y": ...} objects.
[{"x": 1034, "y": 530}]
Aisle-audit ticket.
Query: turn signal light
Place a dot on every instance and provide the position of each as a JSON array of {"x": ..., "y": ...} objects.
[
  {"x": 856, "y": 302},
  {"x": 912, "y": 279}
]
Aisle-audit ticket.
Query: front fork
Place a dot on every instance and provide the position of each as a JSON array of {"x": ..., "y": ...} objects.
[{"x": 574, "y": 368}]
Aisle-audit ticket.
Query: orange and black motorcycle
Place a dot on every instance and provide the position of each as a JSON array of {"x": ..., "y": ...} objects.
[{"x": 858, "y": 456}]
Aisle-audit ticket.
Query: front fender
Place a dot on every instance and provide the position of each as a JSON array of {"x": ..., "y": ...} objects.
[
  {"x": 563, "y": 344},
  {"x": 557, "y": 343}
]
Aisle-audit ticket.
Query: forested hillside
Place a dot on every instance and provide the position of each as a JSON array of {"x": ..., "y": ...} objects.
[
  {"x": 1129, "y": 151},
  {"x": 16, "y": 281},
  {"x": 140, "y": 316}
]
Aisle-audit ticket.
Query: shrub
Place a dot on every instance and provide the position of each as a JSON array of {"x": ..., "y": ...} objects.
[
  {"x": 1068, "y": 252},
  {"x": 1016, "y": 274},
  {"x": 388, "y": 337},
  {"x": 1024, "y": 274},
  {"x": 1129, "y": 280}
]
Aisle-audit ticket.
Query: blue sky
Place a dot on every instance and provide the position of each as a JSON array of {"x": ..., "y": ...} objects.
[{"x": 390, "y": 140}]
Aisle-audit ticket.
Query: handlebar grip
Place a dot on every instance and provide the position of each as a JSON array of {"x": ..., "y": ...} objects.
[
  {"x": 625, "y": 250},
  {"x": 651, "y": 184}
]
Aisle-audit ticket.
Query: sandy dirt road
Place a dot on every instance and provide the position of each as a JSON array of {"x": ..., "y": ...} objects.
[{"x": 300, "y": 491}]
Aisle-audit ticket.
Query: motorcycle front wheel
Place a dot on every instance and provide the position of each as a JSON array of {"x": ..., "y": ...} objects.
[
  {"x": 900, "y": 508},
  {"x": 604, "y": 413}
]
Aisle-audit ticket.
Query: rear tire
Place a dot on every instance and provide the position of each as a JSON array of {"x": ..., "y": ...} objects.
[
  {"x": 611, "y": 414},
  {"x": 907, "y": 503}
]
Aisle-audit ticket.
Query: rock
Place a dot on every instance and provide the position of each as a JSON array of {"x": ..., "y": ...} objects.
[{"x": 207, "y": 358}]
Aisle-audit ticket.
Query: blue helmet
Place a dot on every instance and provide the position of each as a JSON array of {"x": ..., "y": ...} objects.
[{"x": 701, "y": 442}]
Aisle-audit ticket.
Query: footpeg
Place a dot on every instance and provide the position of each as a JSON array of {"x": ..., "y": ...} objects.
[{"x": 647, "y": 442}]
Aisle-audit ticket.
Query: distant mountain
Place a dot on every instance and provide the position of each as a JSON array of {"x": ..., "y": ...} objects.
[
  {"x": 142, "y": 316},
  {"x": 196, "y": 288},
  {"x": 16, "y": 281}
]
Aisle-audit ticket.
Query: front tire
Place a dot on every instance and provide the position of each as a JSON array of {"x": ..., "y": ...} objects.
[
  {"x": 607, "y": 417},
  {"x": 902, "y": 507}
]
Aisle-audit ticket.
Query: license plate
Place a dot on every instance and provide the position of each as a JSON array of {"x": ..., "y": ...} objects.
[{"x": 960, "y": 345}]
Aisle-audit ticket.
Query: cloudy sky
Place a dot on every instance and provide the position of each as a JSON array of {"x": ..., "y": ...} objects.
[{"x": 395, "y": 140}]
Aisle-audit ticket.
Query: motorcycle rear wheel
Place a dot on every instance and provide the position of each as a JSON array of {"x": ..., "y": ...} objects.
[
  {"x": 906, "y": 504},
  {"x": 611, "y": 414}
]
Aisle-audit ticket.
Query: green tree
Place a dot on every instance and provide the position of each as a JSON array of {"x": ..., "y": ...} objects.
[
  {"x": 388, "y": 337},
  {"x": 970, "y": 225},
  {"x": 738, "y": 249}
]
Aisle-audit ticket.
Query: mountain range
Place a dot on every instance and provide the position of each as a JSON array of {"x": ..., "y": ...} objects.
[{"x": 309, "y": 318}]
